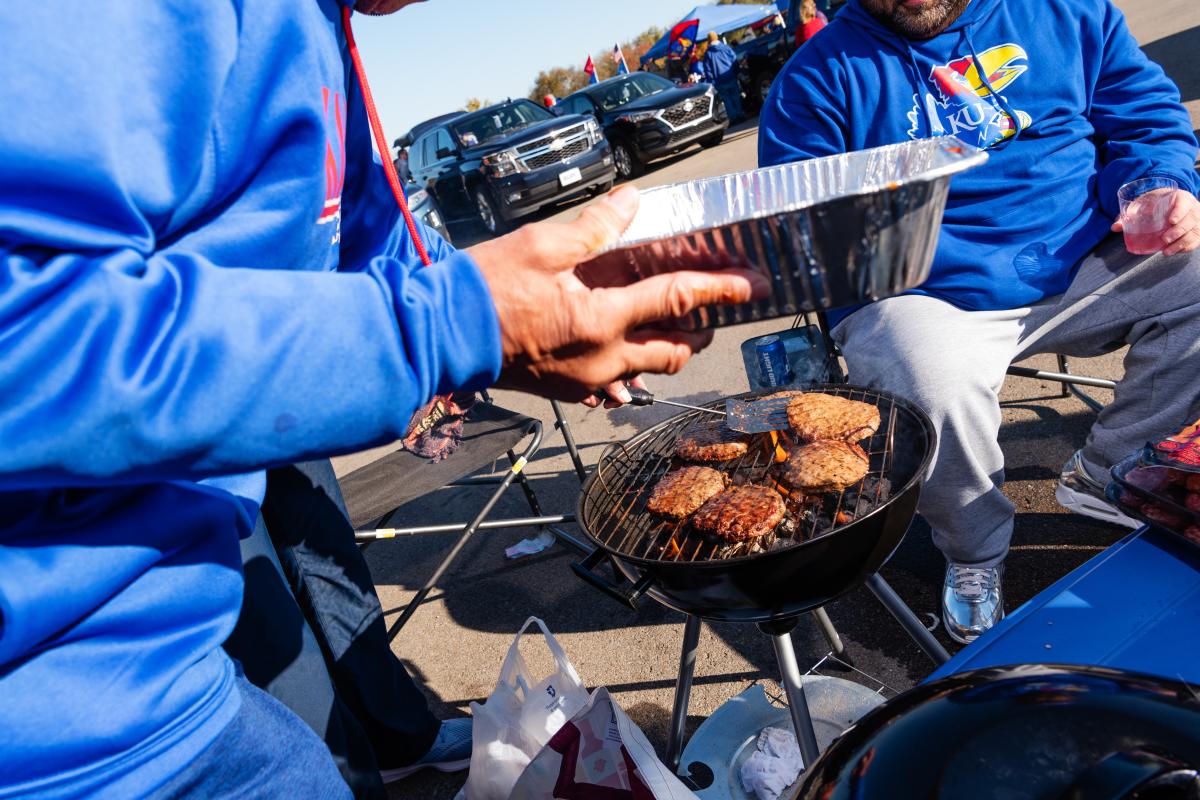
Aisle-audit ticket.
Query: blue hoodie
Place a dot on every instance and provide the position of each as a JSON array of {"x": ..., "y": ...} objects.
[
  {"x": 202, "y": 274},
  {"x": 1091, "y": 114}
]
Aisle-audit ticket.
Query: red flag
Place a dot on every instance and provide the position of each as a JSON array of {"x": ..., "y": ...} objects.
[
  {"x": 590, "y": 69},
  {"x": 683, "y": 38}
]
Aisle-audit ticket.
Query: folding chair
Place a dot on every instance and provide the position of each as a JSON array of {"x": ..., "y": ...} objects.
[
  {"x": 1070, "y": 383},
  {"x": 377, "y": 493}
]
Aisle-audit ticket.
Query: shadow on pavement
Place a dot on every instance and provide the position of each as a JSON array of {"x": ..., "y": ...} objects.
[{"x": 1177, "y": 56}]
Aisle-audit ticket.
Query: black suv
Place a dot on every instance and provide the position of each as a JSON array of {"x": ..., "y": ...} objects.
[
  {"x": 508, "y": 160},
  {"x": 645, "y": 116}
]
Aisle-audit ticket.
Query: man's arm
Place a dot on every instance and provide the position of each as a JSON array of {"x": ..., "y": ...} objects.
[
  {"x": 1142, "y": 128},
  {"x": 121, "y": 362},
  {"x": 801, "y": 118}
]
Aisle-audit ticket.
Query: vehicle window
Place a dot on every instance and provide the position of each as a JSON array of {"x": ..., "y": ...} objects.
[
  {"x": 429, "y": 149},
  {"x": 635, "y": 87},
  {"x": 416, "y": 155},
  {"x": 442, "y": 141},
  {"x": 748, "y": 33},
  {"x": 576, "y": 105},
  {"x": 501, "y": 120}
]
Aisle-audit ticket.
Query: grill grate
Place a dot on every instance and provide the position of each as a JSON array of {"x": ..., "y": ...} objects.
[
  {"x": 615, "y": 514},
  {"x": 678, "y": 115},
  {"x": 544, "y": 142},
  {"x": 569, "y": 151}
]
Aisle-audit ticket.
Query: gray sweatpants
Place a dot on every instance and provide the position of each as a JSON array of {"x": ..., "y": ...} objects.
[{"x": 952, "y": 362}]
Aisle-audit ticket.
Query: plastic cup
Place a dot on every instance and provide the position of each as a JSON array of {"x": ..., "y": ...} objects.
[{"x": 1145, "y": 204}]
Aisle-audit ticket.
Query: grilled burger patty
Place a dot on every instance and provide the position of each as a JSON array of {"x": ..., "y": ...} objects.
[
  {"x": 824, "y": 466},
  {"x": 711, "y": 441},
  {"x": 815, "y": 416},
  {"x": 682, "y": 491},
  {"x": 741, "y": 513}
]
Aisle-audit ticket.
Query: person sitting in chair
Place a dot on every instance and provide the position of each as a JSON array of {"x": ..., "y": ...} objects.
[{"x": 1070, "y": 110}]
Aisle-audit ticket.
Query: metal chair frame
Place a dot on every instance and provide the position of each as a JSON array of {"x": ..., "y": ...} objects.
[{"x": 465, "y": 530}]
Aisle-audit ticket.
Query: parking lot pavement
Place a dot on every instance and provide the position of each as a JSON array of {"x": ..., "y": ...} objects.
[{"x": 456, "y": 641}]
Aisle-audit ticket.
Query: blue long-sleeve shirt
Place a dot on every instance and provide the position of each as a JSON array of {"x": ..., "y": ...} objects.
[
  {"x": 719, "y": 63},
  {"x": 202, "y": 273},
  {"x": 1085, "y": 110}
]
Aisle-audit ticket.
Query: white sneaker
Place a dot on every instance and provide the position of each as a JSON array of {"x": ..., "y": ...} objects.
[
  {"x": 1079, "y": 492},
  {"x": 451, "y": 751},
  {"x": 972, "y": 601}
]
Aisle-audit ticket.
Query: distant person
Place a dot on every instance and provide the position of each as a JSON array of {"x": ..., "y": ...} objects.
[
  {"x": 401, "y": 163},
  {"x": 811, "y": 22},
  {"x": 695, "y": 71},
  {"x": 549, "y": 101},
  {"x": 720, "y": 69}
]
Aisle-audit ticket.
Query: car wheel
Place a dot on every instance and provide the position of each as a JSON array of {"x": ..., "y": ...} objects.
[
  {"x": 713, "y": 139},
  {"x": 627, "y": 163},
  {"x": 488, "y": 215}
]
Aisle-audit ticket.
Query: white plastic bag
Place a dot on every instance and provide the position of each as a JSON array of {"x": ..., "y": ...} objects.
[
  {"x": 599, "y": 753},
  {"x": 519, "y": 718}
]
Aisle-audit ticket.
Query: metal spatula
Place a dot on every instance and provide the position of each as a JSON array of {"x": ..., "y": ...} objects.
[{"x": 745, "y": 416}]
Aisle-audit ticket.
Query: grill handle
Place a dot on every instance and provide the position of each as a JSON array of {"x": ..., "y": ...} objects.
[{"x": 625, "y": 596}]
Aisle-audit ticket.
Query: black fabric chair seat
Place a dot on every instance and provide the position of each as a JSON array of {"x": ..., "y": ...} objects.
[{"x": 398, "y": 478}]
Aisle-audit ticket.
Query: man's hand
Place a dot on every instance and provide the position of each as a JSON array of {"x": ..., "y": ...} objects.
[
  {"x": 618, "y": 390},
  {"x": 1183, "y": 220},
  {"x": 564, "y": 340}
]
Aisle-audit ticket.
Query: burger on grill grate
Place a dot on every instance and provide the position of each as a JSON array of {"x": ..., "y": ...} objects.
[
  {"x": 711, "y": 441},
  {"x": 815, "y": 416},
  {"x": 741, "y": 513},
  {"x": 824, "y": 466},
  {"x": 682, "y": 491}
]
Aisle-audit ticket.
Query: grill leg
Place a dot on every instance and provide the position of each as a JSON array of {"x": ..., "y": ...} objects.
[
  {"x": 886, "y": 595},
  {"x": 683, "y": 690},
  {"x": 797, "y": 704},
  {"x": 831, "y": 634}
]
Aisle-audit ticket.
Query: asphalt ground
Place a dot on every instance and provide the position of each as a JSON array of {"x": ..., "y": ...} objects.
[{"x": 455, "y": 643}]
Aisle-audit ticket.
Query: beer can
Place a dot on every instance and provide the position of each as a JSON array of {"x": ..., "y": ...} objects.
[{"x": 773, "y": 367}]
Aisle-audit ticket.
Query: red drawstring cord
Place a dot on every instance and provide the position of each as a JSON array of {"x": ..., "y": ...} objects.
[{"x": 380, "y": 142}]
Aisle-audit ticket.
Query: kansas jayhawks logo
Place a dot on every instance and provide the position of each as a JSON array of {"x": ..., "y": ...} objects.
[
  {"x": 961, "y": 104},
  {"x": 335, "y": 160}
]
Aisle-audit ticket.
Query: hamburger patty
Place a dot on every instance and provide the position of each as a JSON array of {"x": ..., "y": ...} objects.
[
  {"x": 741, "y": 513},
  {"x": 824, "y": 466},
  {"x": 711, "y": 441},
  {"x": 815, "y": 416},
  {"x": 682, "y": 491}
]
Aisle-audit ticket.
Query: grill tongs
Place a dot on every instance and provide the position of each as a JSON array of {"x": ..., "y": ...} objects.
[{"x": 753, "y": 416}]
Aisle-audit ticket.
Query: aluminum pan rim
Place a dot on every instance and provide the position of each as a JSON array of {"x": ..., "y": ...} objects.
[{"x": 971, "y": 157}]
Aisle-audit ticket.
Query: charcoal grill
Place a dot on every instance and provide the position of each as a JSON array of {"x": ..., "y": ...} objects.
[
  {"x": 815, "y": 560},
  {"x": 819, "y": 553}
]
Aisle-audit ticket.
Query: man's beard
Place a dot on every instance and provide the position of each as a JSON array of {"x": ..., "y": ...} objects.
[{"x": 924, "y": 23}]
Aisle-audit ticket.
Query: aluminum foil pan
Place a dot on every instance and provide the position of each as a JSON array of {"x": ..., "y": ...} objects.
[{"x": 830, "y": 232}]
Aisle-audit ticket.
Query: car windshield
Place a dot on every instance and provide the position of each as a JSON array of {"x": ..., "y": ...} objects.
[
  {"x": 635, "y": 87},
  {"x": 502, "y": 120}
]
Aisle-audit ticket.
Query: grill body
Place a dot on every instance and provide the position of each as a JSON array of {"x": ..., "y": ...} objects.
[{"x": 793, "y": 577}]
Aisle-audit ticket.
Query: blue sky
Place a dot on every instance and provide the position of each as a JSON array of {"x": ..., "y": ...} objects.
[{"x": 428, "y": 58}]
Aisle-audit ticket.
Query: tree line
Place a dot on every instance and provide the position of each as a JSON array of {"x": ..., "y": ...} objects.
[{"x": 562, "y": 81}]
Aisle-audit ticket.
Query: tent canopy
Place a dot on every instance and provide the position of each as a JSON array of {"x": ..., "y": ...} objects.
[{"x": 714, "y": 18}]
